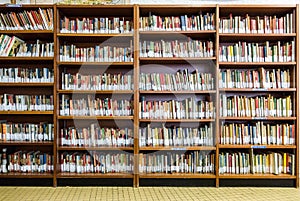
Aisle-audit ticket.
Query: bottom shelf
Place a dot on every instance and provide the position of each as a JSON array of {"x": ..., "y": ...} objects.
[
  {"x": 178, "y": 176},
  {"x": 256, "y": 176},
  {"x": 94, "y": 175},
  {"x": 25, "y": 175}
]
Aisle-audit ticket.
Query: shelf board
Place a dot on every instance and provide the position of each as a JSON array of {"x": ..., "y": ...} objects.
[
  {"x": 177, "y": 120},
  {"x": 258, "y": 118},
  {"x": 179, "y": 92},
  {"x": 26, "y": 32},
  {"x": 162, "y": 59},
  {"x": 28, "y": 58},
  {"x": 24, "y": 143},
  {"x": 196, "y": 32},
  {"x": 95, "y": 91},
  {"x": 256, "y": 63},
  {"x": 78, "y": 63},
  {"x": 228, "y": 146},
  {"x": 96, "y": 117},
  {"x": 77, "y": 148},
  {"x": 266, "y": 35},
  {"x": 177, "y": 176},
  {"x": 258, "y": 90},
  {"x": 176, "y": 148},
  {"x": 26, "y": 112},
  {"x": 256, "y": 176},
  {"x": 95, "y": 175},
  {"x": 26, "y": 175},
  {"x": 26, "y": 84},
  {"x": 95, "y": 35}
]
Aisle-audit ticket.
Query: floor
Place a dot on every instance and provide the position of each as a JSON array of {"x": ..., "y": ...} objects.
[{"x": 147, "y": 193}]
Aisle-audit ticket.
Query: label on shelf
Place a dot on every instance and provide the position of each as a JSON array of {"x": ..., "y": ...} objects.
[
  {"x": 259, "y": 118},
  {"x": 179, "y": 149},
  {"x": 14, "y": 5},
  {"x": 258, "y": 147}
]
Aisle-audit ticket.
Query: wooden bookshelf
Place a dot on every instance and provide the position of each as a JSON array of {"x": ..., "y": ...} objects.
[{"x": 166, "y": 66}]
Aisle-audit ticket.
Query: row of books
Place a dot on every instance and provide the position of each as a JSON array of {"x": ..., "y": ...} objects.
[
  {"x": 259, "y": 133},
  {"x": 96, "y": 162},
  {"x": 73, "y": 53},
  {"x": 199, "y": 22},
  {"x": 26, "y": 132},
  {"x": 28, "y": 162},
  {"x": 176, "y": 136},
  {"x": 259, "y": 106},
  {"x": 255, "y": 79},
  {"x": 179, "y": 81},
  {"x": 90, "y": 106},
  {"x": 258, "y": 24},
  {"x": 96, "y": 136},
  {"x": 27, "y": 75},
  {"x": 112, "y": 25},
  {"x": 261, "y": 163},
  {"x": 39, "y": 19},
  {"x": 14, "y": 46},
  {"x": 258, "y": 52},
  {"x": 188, "y": 48},
  {"x": 189, "y": 108},
  {"x": 13, "y": 102},
  {"x": 191, "y": 162},
  {"x": 105, "y": 81}
]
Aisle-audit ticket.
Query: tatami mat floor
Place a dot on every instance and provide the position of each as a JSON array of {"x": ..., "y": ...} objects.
[{"x": 147, "y": 193}]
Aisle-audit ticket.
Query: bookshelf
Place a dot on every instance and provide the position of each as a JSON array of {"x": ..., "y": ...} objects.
[
  {"x": 27, "y": 89},
  {"x": 210, "y": 92}
]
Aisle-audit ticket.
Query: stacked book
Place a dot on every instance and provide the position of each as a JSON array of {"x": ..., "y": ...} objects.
[
  {"x": 27, "y": 75},
  {"x": 179, "y": 81},
  {"x": 173, "y": 109},
  {"x": 104, "y": 25},
  {"x": 95, "y": 162},
  {"x": 90, "y": 106},
  {"x": 258, "y": 52},
  {"x": 176, "y": 136},
  {"x": 198, "y": 22},
  {"x": 40, "y": 19},
  {"x": 95, "y": 136},
  {"x": 258, "y": 24},
  {"x": 26, "y": 132},
  {"x": 259, "y": 106},
  {"x": 12, "y": 102},
  {"x": 255, "y": 79},
  {"x": 106, "y": 81},
  {"x": 259, "y": 133},
  {"x": 184, "y": 49},
  {"x": 196, "y": 162}
]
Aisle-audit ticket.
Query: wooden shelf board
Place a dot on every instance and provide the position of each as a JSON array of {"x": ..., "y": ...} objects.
[
  {"x": 96, "y": 117},
  {"x": 95, "y": 63},
  {"x": 26, "y": 175},
  {"x": 177, "y": 176},
  {"x": 95, "y": 35},
  {"x": 258, "y": 90},
  {"x": 94, "y": 175},
  {"x": 256, "y": 63},
  {"x": 179, "y": 92},
  {"x": 27, "y": 112},
  {"x": 26, "y": 84},
  {"x": 24, "y": 143},
  {"x": 256, "y": 176},
  {"x": 162, "y": 59},
  {"x": 177, "y": 120},
  {"x": 95, "y": 91},
  {"x": 28, "y": 58},
  {"x": 258, "y": 118},
  {"x": 176, "y": 148},
  {"x": 228, "y": 146},
  {"x": 73, "y": 148},
  {"x": 86, "y": 6},
  {"x": 179, "y": 32},
  {"x": 256, "y": 35},
  {"x": 26, "y": 32}
]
